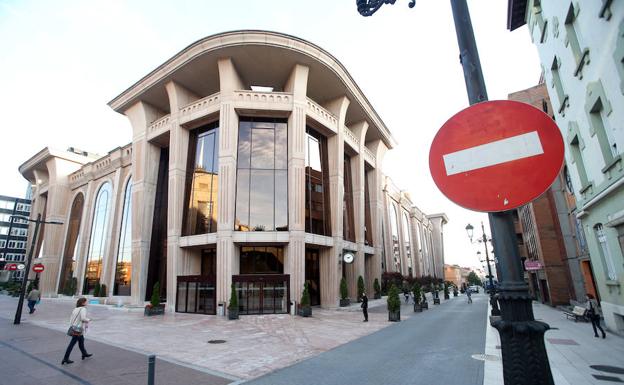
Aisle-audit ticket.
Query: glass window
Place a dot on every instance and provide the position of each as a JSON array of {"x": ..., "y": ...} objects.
[
  {"x": 348, "y": 231},
  {"x": 394, "y": 217},
  {"x": 407, "y": 239},
  {"x": 262, "y": 179},
  {"x": 202, "y": 182},
  {"x": 368, "y": 230},
  {"x": 317, "y": 184},
  {"x": 97, "y": 243},
  {"x": 71, "y": 244},
  {"x": 123, "y": 269},
  {"x": 262, "y": 260},
  {"x": 607, "y": 259}
]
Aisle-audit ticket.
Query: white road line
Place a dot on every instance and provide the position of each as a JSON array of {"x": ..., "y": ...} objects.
[{"x": 490, "y": 154}]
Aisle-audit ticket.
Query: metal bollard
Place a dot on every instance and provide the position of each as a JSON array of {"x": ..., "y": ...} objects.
[{"x": 151, "y": 366}]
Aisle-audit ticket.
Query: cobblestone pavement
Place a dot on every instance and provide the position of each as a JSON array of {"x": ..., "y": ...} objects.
[
  {"x": 255, "y": 345},
  {"x": 432, "y": 347}
]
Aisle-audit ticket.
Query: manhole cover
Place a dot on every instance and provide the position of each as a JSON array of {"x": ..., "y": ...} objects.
[
  {"x": 608, "y": 369},
  {"x": 216, "y": 341},
  {"x": 485, "y": 357}
]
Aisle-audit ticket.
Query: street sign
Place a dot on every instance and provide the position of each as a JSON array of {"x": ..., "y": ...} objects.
[
  {"x": 532, "y": 265},
  {"x": 11, "y": 266},
  {"x": 496, "y": 156},
  {"x": 38, "y": 268}
]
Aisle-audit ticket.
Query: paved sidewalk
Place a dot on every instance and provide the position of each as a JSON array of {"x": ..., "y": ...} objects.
[{"x": 572, "y": 351}]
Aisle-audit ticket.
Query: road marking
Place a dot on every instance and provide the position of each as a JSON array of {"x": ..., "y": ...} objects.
[{"x": 493, "y": 153}]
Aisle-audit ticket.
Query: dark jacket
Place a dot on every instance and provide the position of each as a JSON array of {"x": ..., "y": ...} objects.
[{"x": 364, "y": 302}]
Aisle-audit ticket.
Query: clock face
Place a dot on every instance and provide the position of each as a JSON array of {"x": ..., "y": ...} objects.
[{"x": 348, "y": 258}]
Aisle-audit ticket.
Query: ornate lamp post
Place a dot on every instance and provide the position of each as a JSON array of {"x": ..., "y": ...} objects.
[
  {"x": 525, "y": 361},
  {"x": 484, "y": 239},
  {"x": 20, "y": 303}
]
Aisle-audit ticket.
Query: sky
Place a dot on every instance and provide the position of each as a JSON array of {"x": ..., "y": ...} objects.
[{"x": 62, "y": 61}]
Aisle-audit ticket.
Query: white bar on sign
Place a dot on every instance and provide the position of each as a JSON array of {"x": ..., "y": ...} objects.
[{"x": 490, "y": 154}]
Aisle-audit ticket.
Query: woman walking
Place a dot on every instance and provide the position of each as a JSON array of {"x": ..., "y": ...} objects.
[
  {"x": 77, "y": 325},
  {"x": 592, "y": 313},
  {"x": 33, "y": 297}
]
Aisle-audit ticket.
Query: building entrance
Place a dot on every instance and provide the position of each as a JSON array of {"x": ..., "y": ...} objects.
[
  {"x": 262, "y": 293},
  {"x": 313, "y": 275},
  {"x": 196, "y": 294}
]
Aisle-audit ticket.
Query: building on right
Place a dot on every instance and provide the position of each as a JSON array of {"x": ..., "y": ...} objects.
[{"x": 581, "y": 48}]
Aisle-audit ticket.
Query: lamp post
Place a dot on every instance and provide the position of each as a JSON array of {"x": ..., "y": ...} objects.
[
  {"x": 484, "y": 239},
  {"x": 525, "y": 361},
  {"x": 20, "y": 303}
]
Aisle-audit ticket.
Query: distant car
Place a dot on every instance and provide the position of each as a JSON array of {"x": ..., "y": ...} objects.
[{"x": 474, "y": 288}]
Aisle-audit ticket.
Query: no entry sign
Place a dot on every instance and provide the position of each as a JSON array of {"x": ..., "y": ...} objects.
[
  {"x": 11, "y": 266},
  {"x": 38, "y": 268},
  {"x": 496, "y": 156}
]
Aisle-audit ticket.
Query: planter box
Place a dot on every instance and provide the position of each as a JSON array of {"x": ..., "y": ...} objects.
[
  {"x": 305, "y": 311},
  {"x": 345, "y": 302},
  {"x": 417, "y": 308},
  {"x": 158, "y": 310},
  {"x": 436, "y": 301},
  {"x": 232, "y": 314},
  {"x": 424, "y": 305},
  {"x": 394, "y": 316}
]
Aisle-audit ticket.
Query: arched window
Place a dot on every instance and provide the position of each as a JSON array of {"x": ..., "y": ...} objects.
[
  {"x": 123, "y": 268},
  {"x": 394, "y": 217},
  {"x": 71, "y": 247},
  {"x": 97, "y": 242},
  {"x": 407, "y": 243}
]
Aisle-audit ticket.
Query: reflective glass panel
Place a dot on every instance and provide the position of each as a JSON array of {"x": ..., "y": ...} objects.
[
  {"x": 281, "y": 200},
  {"x": 97, "y": 241},
  {"x": 317, "y": 191},
  {"x": 261, "y": 209},
  {"x": 262, "y": 148},
  {"x": 395, "y": 237},
  {"x": 71, "y": 246},
  {"x": 123, "y": 270}
]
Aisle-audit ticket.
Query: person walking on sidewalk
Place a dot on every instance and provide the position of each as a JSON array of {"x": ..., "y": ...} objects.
[
  {"x": 33, "y": 297},
  {"x": 364, "y": 307},
  {"x": 469, "y": 295},
  {"x": 594, "y": 316},
  {"x": 77, "y": 325}
]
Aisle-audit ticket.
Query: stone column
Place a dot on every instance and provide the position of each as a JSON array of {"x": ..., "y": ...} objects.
[
  {"x": 416, "y": 246},
  {"x": 227, "y": 255},
  {"x": 377, "y": 209},
  {"x": 335, "y": 151},
  {"x": 178, "y": 158},
  {"x": 294, "y": 263},
  {"x": 145, "y": 160}
]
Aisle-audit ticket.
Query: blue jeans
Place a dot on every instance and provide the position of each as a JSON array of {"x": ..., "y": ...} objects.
[
  {"x": 70, "y": 347},
  {"x": 31, "y": 306}
]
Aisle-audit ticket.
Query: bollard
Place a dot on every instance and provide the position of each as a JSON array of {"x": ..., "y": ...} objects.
[{"x": 151, "y": 364}]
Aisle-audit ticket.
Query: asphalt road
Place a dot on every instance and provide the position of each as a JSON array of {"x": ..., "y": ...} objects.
[{"x": 430, "y": 348}]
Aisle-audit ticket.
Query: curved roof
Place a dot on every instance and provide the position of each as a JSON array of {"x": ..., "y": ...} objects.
[{"x": 261, "y": 58}]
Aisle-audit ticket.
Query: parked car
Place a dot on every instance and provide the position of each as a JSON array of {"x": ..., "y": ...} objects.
[{"x": 474, "y": 288}]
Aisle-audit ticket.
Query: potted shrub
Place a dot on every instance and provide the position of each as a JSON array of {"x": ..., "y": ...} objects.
[
  {"x": 233, "y": 305},
  {"x": 436, "y": 295},
  {"x": 305, "y": 310},
  {"x": 360, "y": 288},
  {"x": 344, "y": 293},
  {"x": 454, "y": 291},
  {"x": 394, "y": 304},
  {"x": 154, "y": 307},
  {"x": 446, "y": 291},
  {"x": 417, "y": 297},
  {"x": 377, "y": 289}
]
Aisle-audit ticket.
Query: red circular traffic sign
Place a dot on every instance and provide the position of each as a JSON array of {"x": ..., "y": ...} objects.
[
  {"x": 38, "y": 268},
  {"x": 11, "y": 266},
  {"x": 496, "y": 156}
]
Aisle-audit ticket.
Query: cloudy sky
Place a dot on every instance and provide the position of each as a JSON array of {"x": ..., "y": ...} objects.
[{"x": 62, "y": 61}]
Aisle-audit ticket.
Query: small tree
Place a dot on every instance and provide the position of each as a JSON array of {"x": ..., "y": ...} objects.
[
  {"x": 377, "y": 288},
  {"x": 233, "y": 305},
  {"x": 344, "y": 292},
  {"x": 417, "y": 292},
  {"x": 360, "y": 287},
  {"x": 473, "y": 279},
  {"x": 446, "y": 289},
  {"x": 305, "y": 296},
  {"x": 96, "y": 289},
  {"x": 102, "y": 290},
  {"x": 394, "y": 303},
  {"x": 155, "y": 300}
]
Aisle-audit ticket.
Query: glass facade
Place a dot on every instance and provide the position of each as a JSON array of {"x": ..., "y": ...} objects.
[
  {"x": 202, "y": 181},
  {"x": 348, "y": 230},
  {"x": 262, "y": 294},
  {"x": 407, "y": 243},
  {"x": 97, "y": 243},
  {"x": 368, "y": 229},
  {"x": 262, "y": 176},
  {"x": 71, "y": 246},
  {"x": 262, "y": 260},
  {"x": 396, "y": 252},
  {"x": 123, "y": 268},
  {"x": 317, "y": 185}
]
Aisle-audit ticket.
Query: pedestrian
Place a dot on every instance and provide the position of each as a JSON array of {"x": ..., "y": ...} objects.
[
  {"x": 364, "y": 307},
  {"x": 592, "y": 313},
  {"x": 77, "y": 325},
  {"x": 33, "y": 297},
  {"x": 406, "y": 294},
  {"x": 469, "y": 295}
]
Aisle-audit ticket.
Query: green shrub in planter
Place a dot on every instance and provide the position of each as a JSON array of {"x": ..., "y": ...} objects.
[
  {"x": 154, "y": 307},
  {"x": 446, "y": 290},
  {"x": 394, "y": 304},
  {"x": 305, "y": 310},
  {"x": 377, "y": 289},
  {"x": 233, "y": 305},
  {"x": 360, "y": 287},
  {"x": 344, "y": 293},
  {"x": 417, "y": 297}
]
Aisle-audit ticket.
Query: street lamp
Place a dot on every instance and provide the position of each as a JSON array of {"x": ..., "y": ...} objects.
[
  {"x": 484, "y": 239},
  {"x": 20, "y": 303}
]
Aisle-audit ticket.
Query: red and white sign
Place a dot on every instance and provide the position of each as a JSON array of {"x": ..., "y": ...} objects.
[
  {"x": 532, "y": 265},
  {"x": 496, "y": 156},
  {"x": 38, "y": 267},
  {"x": 10, "y": 266}
]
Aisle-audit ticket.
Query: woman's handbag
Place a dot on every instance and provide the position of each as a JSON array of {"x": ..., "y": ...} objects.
[{"x": 74, "y": 330}]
